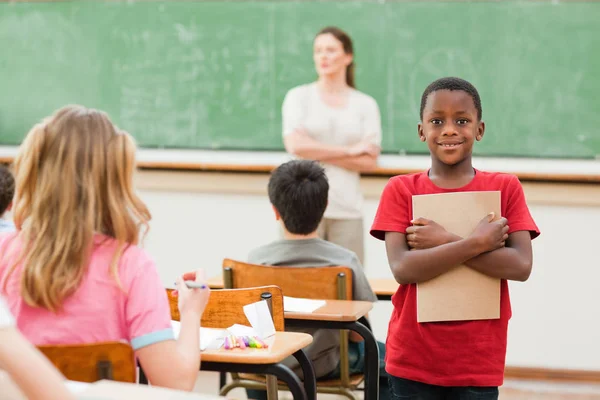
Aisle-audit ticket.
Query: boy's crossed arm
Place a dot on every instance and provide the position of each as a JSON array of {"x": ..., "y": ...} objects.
[{"x": 434, "y": 251}]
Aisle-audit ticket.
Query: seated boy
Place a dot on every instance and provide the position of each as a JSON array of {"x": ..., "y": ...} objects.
[
  {"x": 7, "y": 191},
  {"x": 298, "y": 193}
]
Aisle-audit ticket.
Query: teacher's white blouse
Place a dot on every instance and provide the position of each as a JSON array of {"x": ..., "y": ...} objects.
[{"x": 360, "y": 118}]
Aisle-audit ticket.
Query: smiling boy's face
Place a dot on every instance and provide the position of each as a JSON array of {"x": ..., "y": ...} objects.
[{"x": 450, "y": 125}]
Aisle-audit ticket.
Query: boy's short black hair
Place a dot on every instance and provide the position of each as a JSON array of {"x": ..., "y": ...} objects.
[
  {"x": 451, "y": 83},
  {"x": 298, "y": 189},
  {"x": 7, "y": 188}
]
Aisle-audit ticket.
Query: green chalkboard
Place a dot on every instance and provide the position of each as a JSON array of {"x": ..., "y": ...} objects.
[{"x": 197, "y": 74}]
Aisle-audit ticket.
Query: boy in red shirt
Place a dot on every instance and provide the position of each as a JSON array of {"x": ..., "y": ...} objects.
[{"x": 460, "y": 359}]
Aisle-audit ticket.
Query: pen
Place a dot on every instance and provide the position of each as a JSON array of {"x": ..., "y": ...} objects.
[{"x": 194, "y": 285}]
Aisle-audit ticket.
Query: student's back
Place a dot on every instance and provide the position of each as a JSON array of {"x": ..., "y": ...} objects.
[
  {"x": 313, "y": 252},
  {"x": 324, "y": 351},
  {"x": 99, "y": 310},
  {"x": 72, "y": 273}
]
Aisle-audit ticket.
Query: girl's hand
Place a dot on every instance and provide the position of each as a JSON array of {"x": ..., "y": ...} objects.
[{"x": 192, "y": 301}]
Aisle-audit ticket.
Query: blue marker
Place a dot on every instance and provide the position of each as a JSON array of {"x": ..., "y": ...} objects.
[{"x": 194, "y": 285}]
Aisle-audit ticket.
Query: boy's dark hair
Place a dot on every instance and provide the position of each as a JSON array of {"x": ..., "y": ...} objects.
[
  {"x": 298, "y": 190},
  {"x": 7, "y": 188},
  {"x": 451, "y": 83}
]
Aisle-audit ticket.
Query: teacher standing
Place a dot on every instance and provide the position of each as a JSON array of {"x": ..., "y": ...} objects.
[{"x": 332, "y": 122}]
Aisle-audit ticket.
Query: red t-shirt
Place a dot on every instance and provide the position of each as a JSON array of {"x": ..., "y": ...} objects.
[{"x": 461, "y": 353}]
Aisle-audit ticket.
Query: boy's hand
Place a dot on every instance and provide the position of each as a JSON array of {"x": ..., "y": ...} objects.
[
  {"x": 426, "y": 234},
  {"x": 491, "y": 234},
  {"x": 192, "y": 301}
]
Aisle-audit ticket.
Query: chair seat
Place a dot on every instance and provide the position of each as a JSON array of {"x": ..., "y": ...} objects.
[{"x": 355, "y": 380}]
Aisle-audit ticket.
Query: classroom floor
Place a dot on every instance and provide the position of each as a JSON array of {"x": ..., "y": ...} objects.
[
  {"x": 546, "y": 390},
  {"x": 512, "y": 390}
]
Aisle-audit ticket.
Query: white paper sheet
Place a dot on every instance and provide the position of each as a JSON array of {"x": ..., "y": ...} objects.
[
  {"x": 295, "y": 304},
  {"x": 210, "y": 338},
  {"x": 241, "y": 330},
  {"x": 260, "y": 318},
  {"x": 76, "y": 387}
]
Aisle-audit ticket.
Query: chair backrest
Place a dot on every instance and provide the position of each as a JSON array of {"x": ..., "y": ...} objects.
[
  {"x": 226, "y": 307},
  {"x": 309, "y": 282},
  {"x": 93, "y": 362}
]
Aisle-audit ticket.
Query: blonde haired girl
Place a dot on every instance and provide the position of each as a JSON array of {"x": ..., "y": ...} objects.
[{"x": 73, "y": 273}]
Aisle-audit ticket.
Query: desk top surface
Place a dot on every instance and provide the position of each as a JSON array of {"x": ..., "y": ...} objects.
[
  {"x": 384, "y": 286},
  {"x": 107, "y": 390},
  {"x": 281, "y": 345},
  {"x": 215, "y": 282},
  {"x": 335, "y": 310}
]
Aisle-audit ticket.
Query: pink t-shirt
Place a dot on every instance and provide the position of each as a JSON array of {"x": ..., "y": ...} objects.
[{"x": 99, "y": 310}]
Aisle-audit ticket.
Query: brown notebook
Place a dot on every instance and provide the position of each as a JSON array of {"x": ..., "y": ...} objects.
[{"x": 462, "y": 293}]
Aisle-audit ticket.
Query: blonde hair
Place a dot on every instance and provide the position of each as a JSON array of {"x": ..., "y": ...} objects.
[{"x": 74, "y": 175}]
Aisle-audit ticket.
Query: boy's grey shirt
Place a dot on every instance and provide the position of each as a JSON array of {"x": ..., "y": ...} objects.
[{"x": 324, "y": 351}]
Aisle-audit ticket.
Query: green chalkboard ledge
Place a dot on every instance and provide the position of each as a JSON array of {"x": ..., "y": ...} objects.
[{"x": 527, "y": 169}]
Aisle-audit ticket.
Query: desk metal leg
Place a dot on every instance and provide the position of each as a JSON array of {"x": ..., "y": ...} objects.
[
  {"x": 371, "y": 349},
  {"x": 290, "y": 378},
  {"x": 279, "y": 370},
  {"x": 371, "y": 361},
  {"x": 310, "y": 380},
  {"x": 222, "y": 379},
  {"x": 272, "y": 387}
]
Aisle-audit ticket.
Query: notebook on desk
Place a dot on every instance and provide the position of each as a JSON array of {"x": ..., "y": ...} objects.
[{"x": 295, "y": 304}]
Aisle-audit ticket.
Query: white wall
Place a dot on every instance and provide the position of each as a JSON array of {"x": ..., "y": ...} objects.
[{"x": 555, "y": 320}]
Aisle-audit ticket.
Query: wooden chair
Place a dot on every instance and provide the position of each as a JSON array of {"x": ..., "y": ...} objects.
[
  {"x": 325, "y": 283},
  {"x": 93, "y": 362},
  {"x": 225, "y": 307}
]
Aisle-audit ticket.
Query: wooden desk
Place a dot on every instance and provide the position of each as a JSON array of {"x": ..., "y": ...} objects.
[
  {"x": 107, "y": 390},
  {"x": 216, "y": 282},
  {"x": 335, "y": 310},
  {"x": 384, "y": 289},
  {"x": 265, "y": 362},
  {"x": 344, "y": 314},
  {"x": 268, "y": 362},
  {"x": 281, "y": 346},
  {"x": 339, "y": 314}
]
